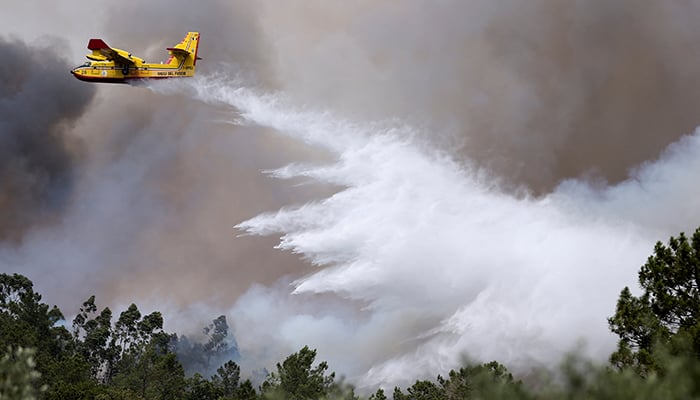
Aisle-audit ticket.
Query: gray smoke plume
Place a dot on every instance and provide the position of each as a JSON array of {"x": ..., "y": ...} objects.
[
  {"x": 164, "y": 179},
  {"x": 534, "y": 93},
  {"x": 537, "y": 91},
  {"x": 39, "y": 103},
  {"x": 231, "y": 34}
]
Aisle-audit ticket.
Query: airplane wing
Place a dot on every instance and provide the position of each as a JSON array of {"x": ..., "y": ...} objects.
[{"x": 102, "y": 52}]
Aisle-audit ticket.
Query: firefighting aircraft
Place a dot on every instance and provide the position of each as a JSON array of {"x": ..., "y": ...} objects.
[{"x": 118, "y": 66}]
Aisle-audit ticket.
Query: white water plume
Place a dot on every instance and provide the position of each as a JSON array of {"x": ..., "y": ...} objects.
[{"x": 445, "y": 262}]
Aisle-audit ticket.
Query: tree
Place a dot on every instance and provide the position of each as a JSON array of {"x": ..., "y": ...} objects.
[
  {"x": 95, "y": 339},
  {"x": 18, "y": 375},
  {"x": 490, "y": 380},
  {"x": 149, "y": 368},
  {"x": 486, "y": 381},
  {"x": 190, "y": 353},
  {"x": 246, "y": 391},
  {"x": 378, "y": 395},
  {"x": 26, "y": 322},
  {"x": 227, "y": 378},
  {"x": 69, "y": 377},
  {"x": 424, "y": 390},
  {"x": 199, "y": 388},
  {"x": 220, "y": 346},
  {"x": 217, "y": 332},
  {"x": 667, "y": 312},
  {"x": 167, "y": 378},
  {"x": 126, "y": 330},
  {"x": 133, "y": 357},
  {"x": 398, "y": 394},
  {"x": 296, "y": 379}
]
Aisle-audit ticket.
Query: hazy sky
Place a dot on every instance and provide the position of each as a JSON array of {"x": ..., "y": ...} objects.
[{"x": 466, "y": 176}]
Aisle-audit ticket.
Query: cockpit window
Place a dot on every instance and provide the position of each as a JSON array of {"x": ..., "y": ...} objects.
[{"x": 87, "y": 64}]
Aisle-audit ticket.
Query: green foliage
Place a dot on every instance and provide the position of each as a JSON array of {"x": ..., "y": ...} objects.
[
  {"x": 132, "y": 356},
  {"x": 126, "y": 330},
  {"x": 190, "y": 353},
  {"x": 657, "y": 355},
  {"x": 27, "y": 322},
  {"x": 217, "y": 332},
  {"x": 227, "y": 378},
  {"x": 218, "y": 348},
  {"x": 297, "y": 380},
  {"x": 583, "y": 380},
  {"x": 151, "y": 371},
  {"x": 94, "y": 340},
  {"x": 18, "y": 376},
  {"x": 378, "y": 395},
  {"x": 69, "y": 377},
  {"x": 339, "y": 390},
  {"x": 486, "y": 381},
  {"x": 667, "y": 310},
  {"x": 490, "y": 380},
  {"x": 130, "y": 359},
  {"x": 421, "y": 390},
  {"x": 245, "y": 391},
  {"x": 200, "y": 388}
]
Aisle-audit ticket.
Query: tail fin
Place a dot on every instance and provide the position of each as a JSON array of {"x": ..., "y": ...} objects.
[
  {"x": 97, "y": 45},
  {"x": 184, "y": 54}
]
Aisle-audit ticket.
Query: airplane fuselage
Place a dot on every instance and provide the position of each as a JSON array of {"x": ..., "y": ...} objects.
[
  {"x": 112, "y": 65},
  {"x": 110, "y": 72}
]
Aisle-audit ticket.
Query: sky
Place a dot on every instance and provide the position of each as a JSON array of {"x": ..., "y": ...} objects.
[{"x": 398, "y": 184}]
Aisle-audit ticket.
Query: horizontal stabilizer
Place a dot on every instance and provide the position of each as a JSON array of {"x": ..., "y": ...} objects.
[
  {"x": 179, "y": 52},
  {"x": 97, "y": 44},
  {"x": 186, "y": 50}
]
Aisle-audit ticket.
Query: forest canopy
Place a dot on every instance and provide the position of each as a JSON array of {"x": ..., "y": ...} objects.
[{"x": 104, "y": 356}]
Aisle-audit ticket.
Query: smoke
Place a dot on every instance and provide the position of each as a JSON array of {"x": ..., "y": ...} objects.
[
  {"x": 564, "y": 101},
  {"x": 229, "y": 29},
  {"x": 39, "y": 103},
  {"x": 485, "y": 176},
  {"x": 444, "y": 262},
  {"x": 149, "y": 217},
  {"x": 536, "y": 91}
]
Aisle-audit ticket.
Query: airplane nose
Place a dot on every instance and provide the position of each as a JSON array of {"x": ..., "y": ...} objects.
[{"x": 75, "y": 73}]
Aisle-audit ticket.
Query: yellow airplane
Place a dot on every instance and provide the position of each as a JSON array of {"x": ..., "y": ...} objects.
[{"x": 118, "y": 66}]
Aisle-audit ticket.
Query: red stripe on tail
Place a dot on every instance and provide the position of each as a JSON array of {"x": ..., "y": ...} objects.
[
  {"x": 196, "y": 49},
  {"x": 97, "y": 44}
]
